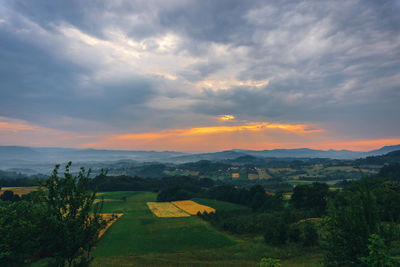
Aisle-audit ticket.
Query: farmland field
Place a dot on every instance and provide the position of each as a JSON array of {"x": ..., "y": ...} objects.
[
  {"x": 139, "y": 232},
  {"x": 192, "y": 207},
  {"x": 19, "y": 190},
  {"x": 166, "y": 210},
  {"x": 141, "y": 239}
]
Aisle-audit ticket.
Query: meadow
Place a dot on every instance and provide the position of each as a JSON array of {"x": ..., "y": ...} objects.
[{"x": 139, "y": 238}]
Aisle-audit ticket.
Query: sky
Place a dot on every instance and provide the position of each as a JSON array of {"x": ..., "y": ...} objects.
[{"x": 200, "y": 75}]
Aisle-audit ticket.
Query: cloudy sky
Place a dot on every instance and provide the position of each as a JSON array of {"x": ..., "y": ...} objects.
[{"x": 200, "y": 75}]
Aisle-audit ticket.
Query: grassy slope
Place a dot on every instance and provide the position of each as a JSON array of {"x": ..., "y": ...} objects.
[
  {"x": 141, "y": 239},
  {"x": 140, "y": 232},
  {"x": 219, "y": 205}
]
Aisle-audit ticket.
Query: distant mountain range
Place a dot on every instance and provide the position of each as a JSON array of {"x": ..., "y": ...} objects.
[
  {"x": 19, "y": 156},
  {"x": 86, "y": 155},
  {"x": 313, "y": 153},
  {"x": 287, "y": 153},
  {"x": 44, "y": 154}
]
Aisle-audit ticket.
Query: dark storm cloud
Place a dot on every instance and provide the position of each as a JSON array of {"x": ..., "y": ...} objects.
[
  {"x": 212, "y": 21},
  {"x": 348, "y": 64},
  {"x": 84, "y": 15},
  {"x": 332, "y": 62},
  {"x": 39, "y": 86},
  {"x": 200, "y": 71}
]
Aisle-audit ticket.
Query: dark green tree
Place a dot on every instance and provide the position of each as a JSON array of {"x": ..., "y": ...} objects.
[
  {"x": 352, "y": 217},
  {"x": 388, "y": 198},
  {"x": 311, "y": 197},
  {"x": 277, "y": 233},
  {"x": 22, "y": 227},
  {"x": 294, "y": 234},
  {"x": 378, "y": 253},
  {"x": 7, "y": 196},
  {"x": 310, "y": 235},
  {"x": 391, "y": 171},
  {"x": 270, "y": 262},
  {"x": 75, "y": 221}
]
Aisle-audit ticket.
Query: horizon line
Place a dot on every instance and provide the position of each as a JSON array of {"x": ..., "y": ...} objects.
[{"x": 198, "y": 152}]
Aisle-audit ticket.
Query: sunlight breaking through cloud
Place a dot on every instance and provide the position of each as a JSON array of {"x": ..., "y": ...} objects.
[
  {"x": 226, "y": 117},
  {"x": 252, "y": 126},
  {"x": 227, "y": 84}
]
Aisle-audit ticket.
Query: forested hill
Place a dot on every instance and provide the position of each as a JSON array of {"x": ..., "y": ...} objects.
[
  {"x": 391, "y": 157},
  {"x": 242, "y": 167},
  {"x": 25, "y": 155}
]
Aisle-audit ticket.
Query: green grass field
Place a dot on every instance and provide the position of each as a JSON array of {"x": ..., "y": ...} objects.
[
  {"x": 140, "y": 232},
  {"x": 219, "y": 205},
  {"x": 139, "y": 238}
]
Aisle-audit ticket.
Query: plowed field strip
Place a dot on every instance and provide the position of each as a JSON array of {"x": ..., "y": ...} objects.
[
  {"x": 166, "y": 210},
  {"x": 108, "y": 216},
  {"x": 192, "y": 207}
]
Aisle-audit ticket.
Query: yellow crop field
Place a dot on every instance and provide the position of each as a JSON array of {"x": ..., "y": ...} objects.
[
  {"x": 111, "y": 220},
  {"x": 192, "y": 207},
  {"x": 20, "y": 190},
  {"x": 166, "y": 210}
]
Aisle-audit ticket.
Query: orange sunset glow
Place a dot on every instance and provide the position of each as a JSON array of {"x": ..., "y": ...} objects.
[
  {"x": 256, "y": 136},
  {"x": 250, "y": 135},
  {"x": 255, "y": 126}
]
